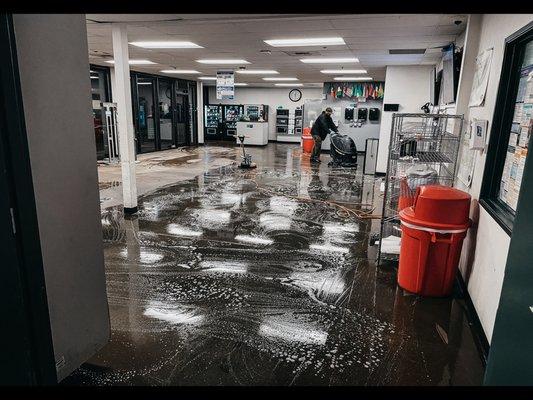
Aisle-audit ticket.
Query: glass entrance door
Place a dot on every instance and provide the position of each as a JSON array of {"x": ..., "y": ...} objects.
[
  {"x": 165, "y": 114},
  {"x": 182, "y": 119},
  {"x": 99, "y": 91},
  {"x": 146, "y": 132}
]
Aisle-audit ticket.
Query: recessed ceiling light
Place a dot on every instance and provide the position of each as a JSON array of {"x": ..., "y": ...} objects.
[
  {"x": 134, "y": 62},
  {"x": 208, "y": 78},
  {"x": 344, "y": 71},
  {"x": 257, "y": 71},
  {"x": 166, "y": 45},
  {"x": 240, "y": 84},
  {"x": 289, "y": 84},
  {"x": 352, "y": 78},
  {"x": 222, "y": 61},
  {"x": 280, "y": 79},
  {"x": 180, "y": 71},
  {"x": 329, "y": 60},
  {"x": 305, "y": 42}
]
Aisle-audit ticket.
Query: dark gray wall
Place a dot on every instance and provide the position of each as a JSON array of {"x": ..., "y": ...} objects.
[{"x": 54, "y": 74}]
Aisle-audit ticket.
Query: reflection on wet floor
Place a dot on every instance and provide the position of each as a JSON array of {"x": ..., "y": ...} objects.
[{"x": 256, "y": 278}]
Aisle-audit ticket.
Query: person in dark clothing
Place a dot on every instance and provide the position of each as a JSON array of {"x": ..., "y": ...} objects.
[{"x": 320, "y": 130}]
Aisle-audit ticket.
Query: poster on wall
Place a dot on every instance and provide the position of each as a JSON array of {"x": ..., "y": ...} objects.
[
  {"x": 481, "y": 78},
  {"x": 225, "y": 85}
]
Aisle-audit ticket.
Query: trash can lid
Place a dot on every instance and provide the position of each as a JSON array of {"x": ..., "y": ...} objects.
[
  {"x": 408, "y": 215},
  {"x": 443, "y": 193},
  {"x": 441, "y": 206}
]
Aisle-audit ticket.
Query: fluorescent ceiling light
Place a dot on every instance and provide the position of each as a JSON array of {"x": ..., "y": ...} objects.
[
  {"x": 289, "y": 84},
  {"x": 352, "y": 78},
  {"x": 95, "y": 77},
  {"x": 208, "y": 78},
  {"x": 329, "y": 60},
  {"x": 222, "y": 61},
  {"x": 257, "y": 71},
  {"x": 180, "y": 71},
  {"x": 240, "y": 84},
  {"x": 134, "y": 62},
  {"x": 144, "y": 83},
  {"x": 344, "y": 71},
  {"x": 280, "y": 79},
  {"x": 305, "y": 42},
  {"x": 166, "y": 45}
]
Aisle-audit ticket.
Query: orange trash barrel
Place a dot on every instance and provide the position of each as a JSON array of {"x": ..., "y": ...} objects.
[
  {"x": 433, "y": 230},
  {"x": 307, "y": 141}
]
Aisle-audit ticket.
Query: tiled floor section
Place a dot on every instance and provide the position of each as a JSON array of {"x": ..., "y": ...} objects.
[
  {"x": 256, "y": 278},
  {"x": 160, "y": 169}
]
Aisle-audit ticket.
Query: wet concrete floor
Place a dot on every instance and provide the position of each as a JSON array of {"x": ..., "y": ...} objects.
[{"x": 256, "y": 278}]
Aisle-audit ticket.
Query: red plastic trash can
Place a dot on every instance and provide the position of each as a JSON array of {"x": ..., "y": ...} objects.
[{"x": 433, "y": 230}]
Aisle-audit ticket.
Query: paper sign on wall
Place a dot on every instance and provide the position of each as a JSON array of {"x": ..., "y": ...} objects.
[
  {"x": 481, "y": 78},
  {"x": 225, "y": 85}
]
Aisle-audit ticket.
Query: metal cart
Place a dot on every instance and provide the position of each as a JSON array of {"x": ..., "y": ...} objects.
[{"x": 419, "y": 142}]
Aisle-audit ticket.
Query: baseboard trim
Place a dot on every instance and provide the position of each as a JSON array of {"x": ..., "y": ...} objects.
[{"x": 476, "y": 328}]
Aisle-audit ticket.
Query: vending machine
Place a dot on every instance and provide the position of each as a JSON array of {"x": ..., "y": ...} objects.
[
  {"x": 256, "y": 112},
  {"x": 212, "y": 120},
  {"x": 230, "y": 115}
]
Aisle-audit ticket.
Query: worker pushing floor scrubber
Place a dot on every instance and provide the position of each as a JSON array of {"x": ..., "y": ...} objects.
[{"x": 343, "y": 151}]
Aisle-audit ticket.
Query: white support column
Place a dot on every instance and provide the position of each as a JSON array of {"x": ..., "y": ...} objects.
[
  {"x": 122, "y": 97},
  {"x": 200, "y": 111}
]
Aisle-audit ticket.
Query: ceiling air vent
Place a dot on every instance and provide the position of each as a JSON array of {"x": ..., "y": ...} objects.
[
  {"x": 302, "y": 53},
  {"x": 407, "y": 51}
]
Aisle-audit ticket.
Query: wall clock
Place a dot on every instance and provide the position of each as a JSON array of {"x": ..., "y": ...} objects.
[{"x": 295, "y": 95}]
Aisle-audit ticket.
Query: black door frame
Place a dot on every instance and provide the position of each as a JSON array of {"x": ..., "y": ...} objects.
[
  {"x": 185, "y": 111},
  {"x": 176, "y": 85},
  {"x": 135, "y": 102},
  {"x": 27, "y": 339}
]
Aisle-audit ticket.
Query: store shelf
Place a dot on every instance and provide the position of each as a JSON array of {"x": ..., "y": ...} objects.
[{"x": 424, "y": 157}]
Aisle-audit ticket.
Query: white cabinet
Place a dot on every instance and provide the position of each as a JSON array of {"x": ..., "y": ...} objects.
[{"x": 256, "y": 133}]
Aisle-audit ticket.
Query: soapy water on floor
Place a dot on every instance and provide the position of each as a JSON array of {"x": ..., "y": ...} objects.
[{"x": 214, "y": 261}]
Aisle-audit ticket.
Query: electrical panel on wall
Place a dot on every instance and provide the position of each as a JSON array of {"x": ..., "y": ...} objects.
[
  {"x": 362, "y": 114},
  {"x": 478, "y": 134}
]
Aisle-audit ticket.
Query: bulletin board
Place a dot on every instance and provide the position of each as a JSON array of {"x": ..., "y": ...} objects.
[{"x": 519, "y": 138}]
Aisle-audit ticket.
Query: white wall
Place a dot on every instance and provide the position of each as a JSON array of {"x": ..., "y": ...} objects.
[
  {"x": 485, "y": 254},
  {"x": 410, "y": 86},
  {"x": 56, "y": 94},
  {"x": 273, "y": 97}
]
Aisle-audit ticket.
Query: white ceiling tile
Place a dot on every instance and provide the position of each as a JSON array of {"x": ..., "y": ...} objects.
[{"x": 368, "y": 37}]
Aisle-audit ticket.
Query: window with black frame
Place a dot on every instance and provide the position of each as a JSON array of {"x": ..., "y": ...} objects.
[{"x": 511, "y": 131}]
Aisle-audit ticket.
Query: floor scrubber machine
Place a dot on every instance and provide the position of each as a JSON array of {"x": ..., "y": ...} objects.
[
  {"x": 246, "y": 158},
  {"x": 343, "y": 151}
]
